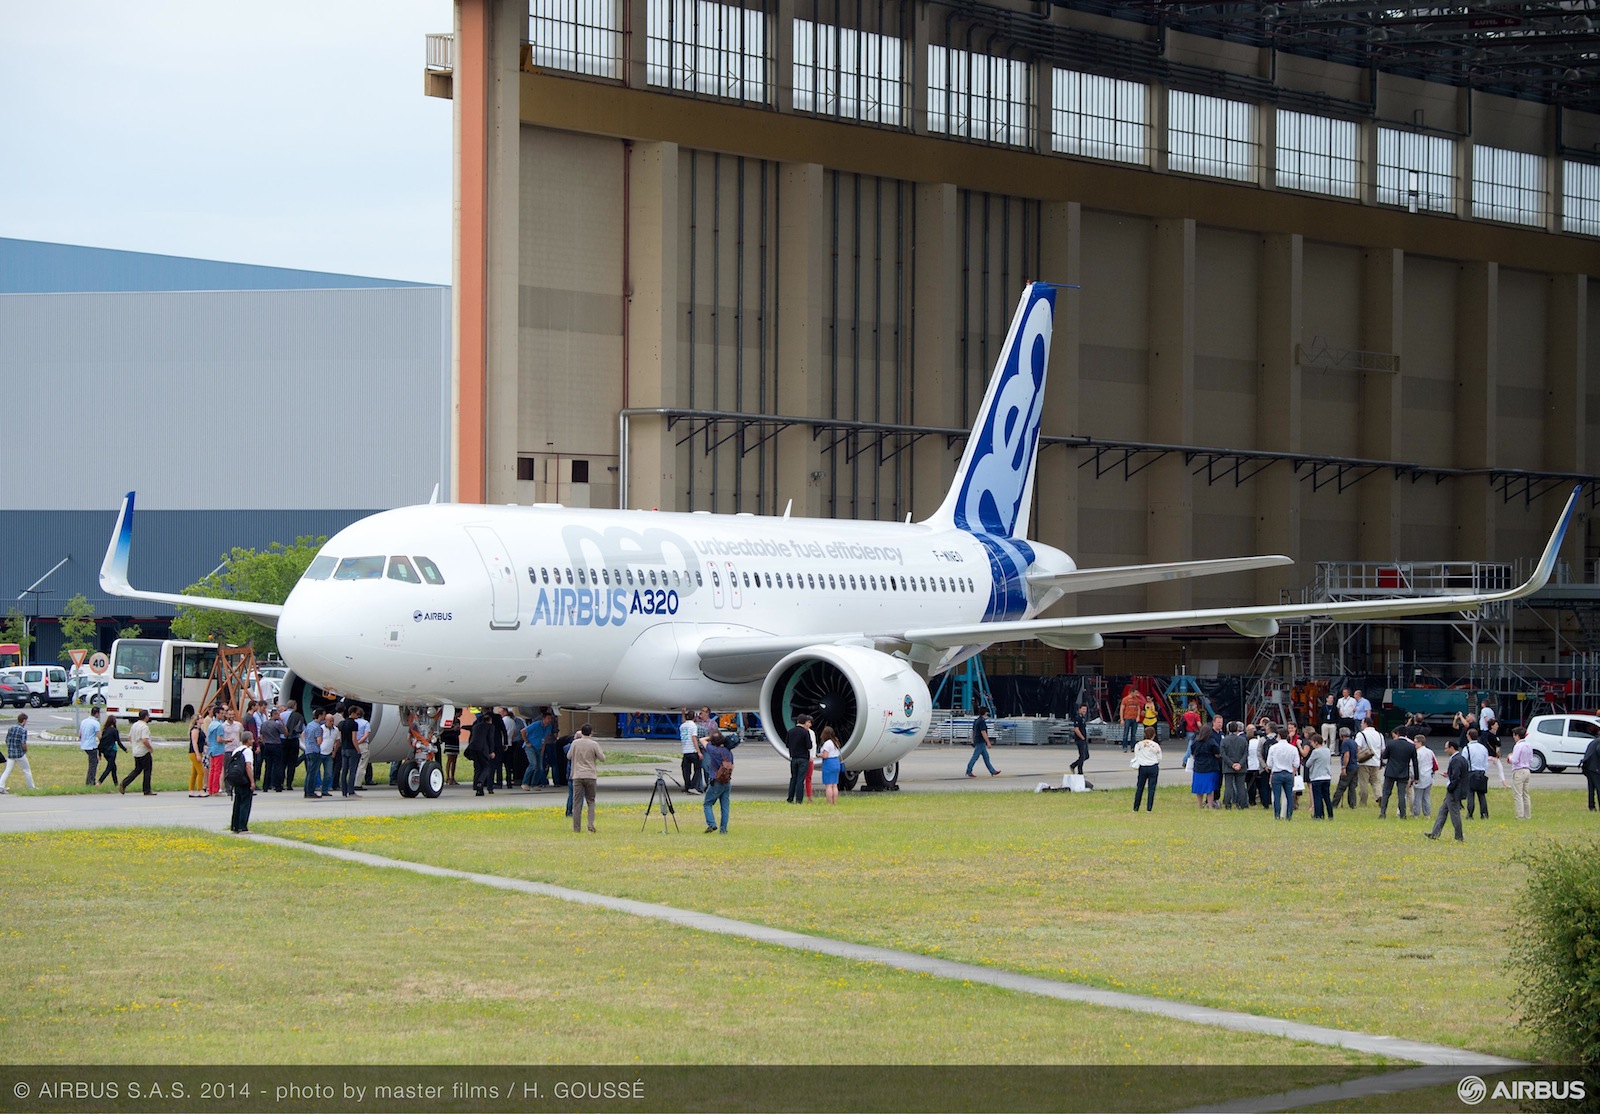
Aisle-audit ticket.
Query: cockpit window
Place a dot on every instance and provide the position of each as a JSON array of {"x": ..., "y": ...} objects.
[
  {"x": 320, "y": 568},
  {"x": 400, "y": 569},
  {"x": 359, "y": 568}
]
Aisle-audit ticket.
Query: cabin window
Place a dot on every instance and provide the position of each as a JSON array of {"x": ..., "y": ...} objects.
[
  {"x": 652, "y": 578},
  {"x": 569, "y": 576},
  {"x": 716, "y": 581},
  {"x": 747, "y": 580},
  {"x": 699, "y": 580},
  {"x": 400, "y": 569},
  {"x": 677, "y": 579},
  {"x": 630, "y": 577},
  {"x": 320, "y": 568},
  {"x": 359, "y": 568},
  {"x": 605, "y": 576}
]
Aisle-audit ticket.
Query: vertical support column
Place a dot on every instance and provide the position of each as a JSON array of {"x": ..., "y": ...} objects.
[
  {"x": 1477, "y": 384},
  {"x": 802, "y": 339},
  {"x": 1566, "y": 421},
  {"x": 935, "y": 382},
  {"x": 782, "y": 38},
  {"x": 1044, "y": 97},
  {"x": 1278, "y": 405},
  {"x": 917, "y": 66},
  {"x": 1464, "y": 152},
  {"x": 1159, "y": 113},
  {"x": 636, "y": 44},
  {"x": 1169, "y": 499},
  {"x": 1378, "y": 496},
  {"x": 1056, "y": 487},
  {"x": 653, "y": 322},
  {"x": 488, "y": 127},
  {"x": 1267, "y": 132}
]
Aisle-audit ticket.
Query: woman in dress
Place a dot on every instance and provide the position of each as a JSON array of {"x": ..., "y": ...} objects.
[{"x": 829, "y": 753}]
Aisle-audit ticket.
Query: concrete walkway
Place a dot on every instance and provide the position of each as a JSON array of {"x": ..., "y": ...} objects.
[{"x": 1392, "y": 1047}]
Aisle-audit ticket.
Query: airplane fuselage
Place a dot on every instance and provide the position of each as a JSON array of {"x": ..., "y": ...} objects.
[{"x": 470, "y": 604}]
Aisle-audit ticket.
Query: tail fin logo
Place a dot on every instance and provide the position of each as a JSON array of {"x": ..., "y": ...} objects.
[{"x": 999, "y": 463}]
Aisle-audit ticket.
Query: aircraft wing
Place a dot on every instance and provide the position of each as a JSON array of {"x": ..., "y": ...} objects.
[
  {"x": 1118, "y": 576},
  {"x": 114, "y": 578},
  {"x": 739, "y": 658},
  {"x": 1256, "y": 622}
]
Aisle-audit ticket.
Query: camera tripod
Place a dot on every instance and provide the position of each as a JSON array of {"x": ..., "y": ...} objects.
[{"x": 664, "y": 807}]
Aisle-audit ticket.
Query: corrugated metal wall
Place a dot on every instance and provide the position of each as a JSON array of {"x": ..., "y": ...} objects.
[{"x": 323, "y": 399}]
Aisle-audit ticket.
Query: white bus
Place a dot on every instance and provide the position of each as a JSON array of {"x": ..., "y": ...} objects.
[{"x": 167, "y": 678}]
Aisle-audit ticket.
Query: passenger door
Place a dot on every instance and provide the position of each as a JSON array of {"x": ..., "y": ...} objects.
[{"x": 506, "y": 603}]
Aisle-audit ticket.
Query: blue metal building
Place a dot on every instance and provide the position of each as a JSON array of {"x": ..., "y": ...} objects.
[{"x": 244, "y": 404}]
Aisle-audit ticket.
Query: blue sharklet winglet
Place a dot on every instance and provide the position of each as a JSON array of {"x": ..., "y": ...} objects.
[{"x": 114, "y": 577}]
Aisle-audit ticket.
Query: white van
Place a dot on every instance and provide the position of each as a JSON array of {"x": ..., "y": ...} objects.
[{"x": 46, "y": 684}]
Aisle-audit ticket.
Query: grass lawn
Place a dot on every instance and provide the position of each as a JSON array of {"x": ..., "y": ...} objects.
[
  {"x": 1357, "y": 924},
  {"x": 169, "y": 946}
]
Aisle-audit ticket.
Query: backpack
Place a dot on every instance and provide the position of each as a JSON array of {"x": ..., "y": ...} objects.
[
  {"x": 233, "y": 771},
  {"x": 724, "y": 773}
]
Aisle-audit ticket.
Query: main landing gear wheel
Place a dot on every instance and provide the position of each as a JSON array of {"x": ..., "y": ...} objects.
[
  {"x": 884, "y": 779},
  {"x": 430, "y": 779},
  {"x": 848, "y": 779},
  {"x": 410, "y": 778}
]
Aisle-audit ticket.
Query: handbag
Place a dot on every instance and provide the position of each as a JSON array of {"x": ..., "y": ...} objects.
[{"x": 1299, "y": 783}]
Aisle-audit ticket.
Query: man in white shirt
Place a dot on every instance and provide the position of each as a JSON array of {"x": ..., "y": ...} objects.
[
  {"x": 143, "y": 755},
  {"x": 689, "y": 740},
  {"x": 363, "y": 731},
  {"x": 1485, "y": 715},
  {"x": 1347, "y": 711},
  {"x": 1283, "y": 759},
  {"x": 1422, "y": 791},
  {"x": 1477, "y": 756},
  {"x": 1372, "y": 739}
]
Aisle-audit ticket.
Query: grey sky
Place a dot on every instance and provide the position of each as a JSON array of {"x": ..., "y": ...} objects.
[{"x": 293, "y": 133}]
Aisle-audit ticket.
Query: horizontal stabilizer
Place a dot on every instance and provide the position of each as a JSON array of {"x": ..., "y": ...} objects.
[
  {"x": 114, "y": 578},
  {"x": 1120, "y": 576}
]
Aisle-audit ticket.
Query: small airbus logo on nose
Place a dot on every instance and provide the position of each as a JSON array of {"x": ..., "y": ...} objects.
[{"x": 416, "y": 616}]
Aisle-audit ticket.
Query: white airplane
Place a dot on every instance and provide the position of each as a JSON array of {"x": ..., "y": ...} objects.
[{"x": 619, "y": 610}]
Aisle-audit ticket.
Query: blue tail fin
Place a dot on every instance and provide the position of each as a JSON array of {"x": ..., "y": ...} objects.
[{"x": 993, "y": 488}]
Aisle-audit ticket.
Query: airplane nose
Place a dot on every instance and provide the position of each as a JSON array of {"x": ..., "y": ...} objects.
[{"x": 299, "y": 641}]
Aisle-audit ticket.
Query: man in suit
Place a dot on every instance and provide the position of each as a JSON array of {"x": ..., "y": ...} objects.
[
  {"x": 1399, "y": 768},
  {"x": 483, "y": 748},
  {"x": 1590, "y": 765},
  {"x": 799, "y": 743},
  {"x": 1455, "y": 791},
  {"x": 1235, "y": 755}
]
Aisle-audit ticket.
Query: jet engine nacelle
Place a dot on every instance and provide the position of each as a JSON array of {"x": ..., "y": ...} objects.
[
  {"x": 877, "y": 704},
  {"x": 388, "y": 740}
]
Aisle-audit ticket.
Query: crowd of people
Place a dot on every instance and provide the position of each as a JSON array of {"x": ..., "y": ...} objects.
[{"x": 1270, "y": 765}]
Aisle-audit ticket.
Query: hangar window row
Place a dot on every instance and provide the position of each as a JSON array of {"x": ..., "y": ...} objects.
[{"x": 712, "y": 48}]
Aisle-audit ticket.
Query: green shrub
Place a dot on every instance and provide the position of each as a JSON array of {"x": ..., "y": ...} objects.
[{"x": 1558, "y": 949}]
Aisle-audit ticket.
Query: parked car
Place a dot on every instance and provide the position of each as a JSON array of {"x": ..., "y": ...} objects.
[
  {"x": 12, "y": 693},
  {"x": 91, "y": 692},
  {"x": 1559, "y": 741},
  {"x": 46, "y": 684}
]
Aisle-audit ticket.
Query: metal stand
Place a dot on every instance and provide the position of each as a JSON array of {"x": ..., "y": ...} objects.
[{"x": 664, "y": 808}]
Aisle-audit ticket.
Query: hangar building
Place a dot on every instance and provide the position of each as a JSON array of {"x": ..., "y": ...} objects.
[
  {"x": 245, "y": 405},
  {"x": 1334, "y": 263}
]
